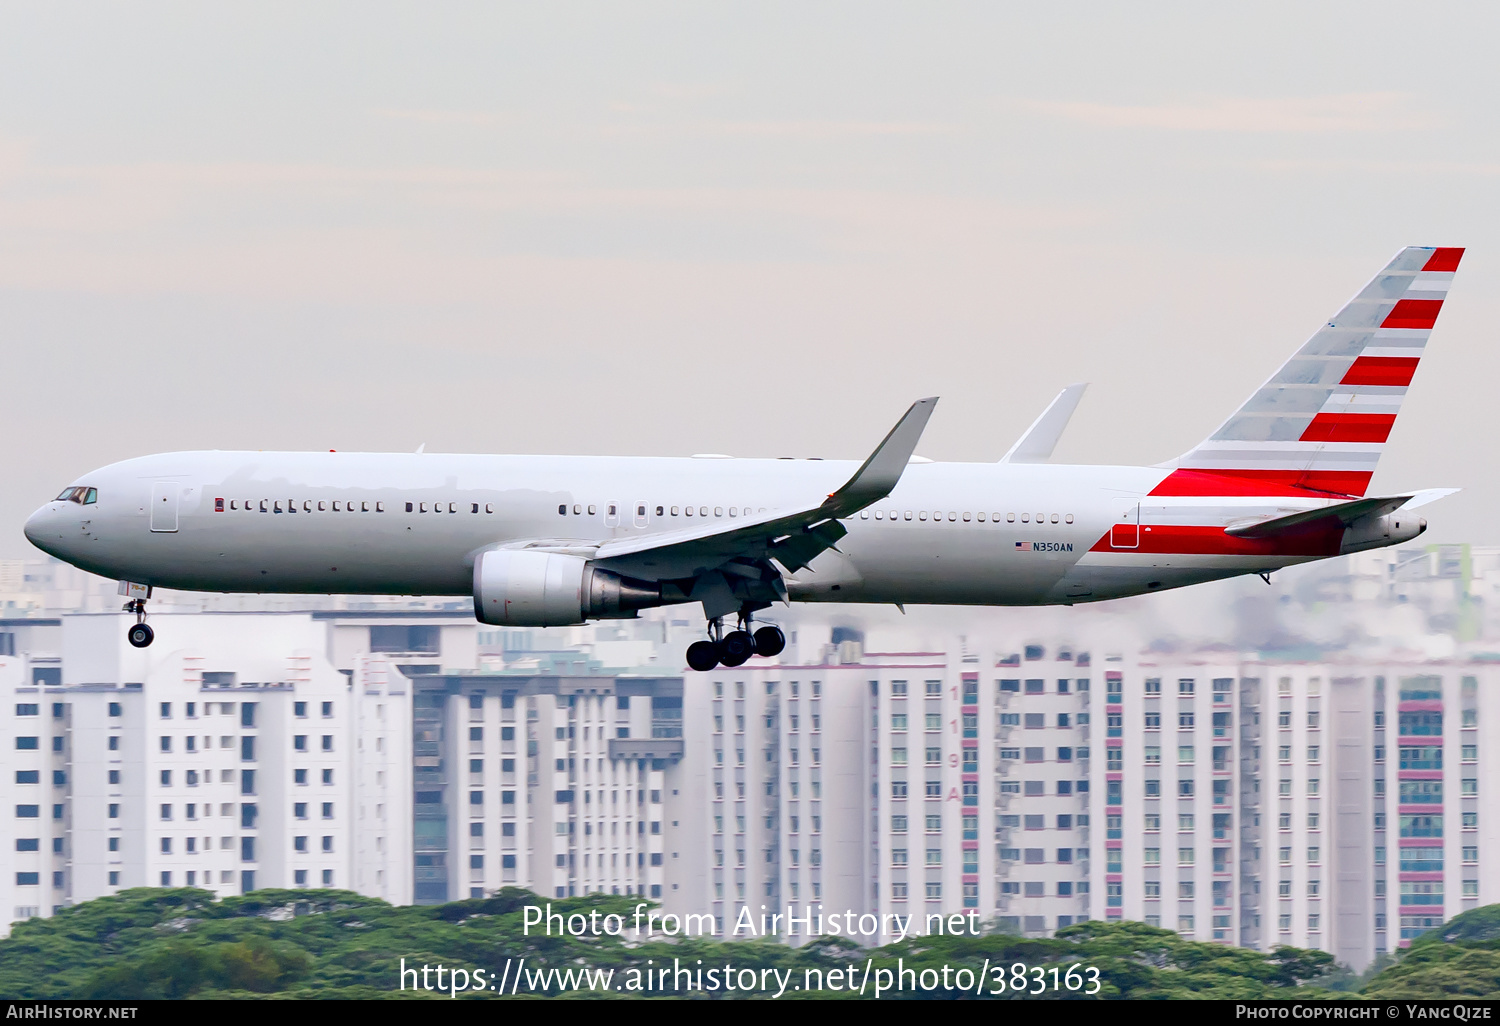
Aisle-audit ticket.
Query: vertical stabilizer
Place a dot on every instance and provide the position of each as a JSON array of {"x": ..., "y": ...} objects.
[{"x": 1321, "y": 422}]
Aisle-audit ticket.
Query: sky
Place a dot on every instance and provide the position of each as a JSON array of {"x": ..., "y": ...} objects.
[{"x": 760, "y": 229}]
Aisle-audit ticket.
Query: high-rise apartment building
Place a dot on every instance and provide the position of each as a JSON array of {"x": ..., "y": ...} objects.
[
  {"x": 237, "y": 759},
  {"x": 1027, "y": 780},
  {"x": 556, "y": 784}
]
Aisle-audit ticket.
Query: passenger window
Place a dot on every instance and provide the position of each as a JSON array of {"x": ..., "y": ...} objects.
[
  {"x": 364, "y": 507},
  {"x": 422, "y": 507},
  {"x": 1010, "y": 518},
  {"x": 336, "y": 505},
  {"x": 593, "y": 509},
  {"x": 674, "y": 511},
  {"x": 1068, "y": 518},
  {"x": 908, "y": 515},
  {"x": 689, "y": 511},
  {"x": 452, "y": 507},
  {"x": 321, "y": 506},
  {"x": 953, "y": 516},
  {"x": 475, "y": 509},
  {"x": 562, "y": 509},
  {"x": 489, "y": 508},
  {"x": 380, "y": 507},
  {"x": 577, "y": 509},
  {"x": 922, "y": 514},
  {"x": 408, "y": 507},
  {"x": 877, "y": 514},
  {"x": 1054, "y": 518},
  {"x": 234, "y": 504},
  {"x": 307, "y": 505},
  {"x": 1025, "y": 518},
  {"x": 718, "y": 511},
  {"x": 659, "y": 511}
]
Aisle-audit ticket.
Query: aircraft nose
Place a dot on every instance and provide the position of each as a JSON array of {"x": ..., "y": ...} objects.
[{"x": 41, "y": 530}]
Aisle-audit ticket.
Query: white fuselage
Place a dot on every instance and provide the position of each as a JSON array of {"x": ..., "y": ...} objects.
[{"x": 960, "y": 533}]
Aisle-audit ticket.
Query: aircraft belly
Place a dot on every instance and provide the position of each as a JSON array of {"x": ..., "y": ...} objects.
[
  {"x": 318, "y": 558},
  {"x": 977, "y": 565}
]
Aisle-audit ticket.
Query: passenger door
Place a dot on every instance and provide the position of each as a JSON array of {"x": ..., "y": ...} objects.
[
  {"x": 164, "y": 506},
  {"x": 1126, "y": 532}
]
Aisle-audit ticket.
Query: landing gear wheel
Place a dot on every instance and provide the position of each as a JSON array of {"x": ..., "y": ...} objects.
[
  {"x": 702, "y": 656},
  {"x": 140, "y": 635},
  {"x": 736, "y": 647},
  {"x": 769, "y": 641}
]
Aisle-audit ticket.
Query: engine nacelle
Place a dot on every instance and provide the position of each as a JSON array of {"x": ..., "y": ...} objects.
[
  {"x": 1378, "y": 532},
  {"x": 528, "y": 588}
]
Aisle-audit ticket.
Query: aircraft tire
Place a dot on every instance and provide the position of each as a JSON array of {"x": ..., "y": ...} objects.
[
  {"x": 736, "y": 647},
  {"x": 769, "y": 641},
  {"x": 140, "y": 635},
  {"x": 702, "y": 656}
]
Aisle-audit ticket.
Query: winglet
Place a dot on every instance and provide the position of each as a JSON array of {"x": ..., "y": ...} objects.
[
  {"x": 877, "y": 476},
  {"x": 1036, "y": 445}
]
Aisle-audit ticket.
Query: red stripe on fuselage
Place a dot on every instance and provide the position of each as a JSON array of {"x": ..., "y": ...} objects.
[
  {"x": 1381, "y": 370},
  {"x": 1264, "y": 482},
  {"x": 1413, "y": 313},
  {"x": 1317, "y": 539},
  {"x": 1349, "y": 427},
  {"x": 1444, "y": 258}
]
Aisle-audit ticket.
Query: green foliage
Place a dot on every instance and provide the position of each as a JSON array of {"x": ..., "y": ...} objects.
[
  {"x": 1460, "y": 959},
  {"x": 149, "y": 943}
]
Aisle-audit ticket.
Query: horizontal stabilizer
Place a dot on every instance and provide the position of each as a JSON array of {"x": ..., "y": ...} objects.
[
  {"x": 1427, "y": 495},
  {"x": 1344, "y": 512},
  {"x": 1036, "y": 445}
]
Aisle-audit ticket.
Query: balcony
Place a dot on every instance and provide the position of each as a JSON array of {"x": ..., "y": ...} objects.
[{"x": 646, "y": 748}]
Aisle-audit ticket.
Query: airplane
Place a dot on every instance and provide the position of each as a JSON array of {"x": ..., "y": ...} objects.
[{"x": 558, "y": 540}]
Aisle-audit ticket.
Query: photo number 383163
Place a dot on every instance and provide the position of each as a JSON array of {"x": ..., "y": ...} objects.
[{"x": 1037, "y": 979}]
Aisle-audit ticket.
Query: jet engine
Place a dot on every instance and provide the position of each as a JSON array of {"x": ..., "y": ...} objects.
[
  {"x": 1378, "y": 532},
  {"x": 530, "y": 588}
]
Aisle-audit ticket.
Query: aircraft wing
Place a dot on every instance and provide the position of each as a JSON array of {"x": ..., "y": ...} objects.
[
  {"x": 792, "y": 537},
  {"x": 1345, "y": 512}
]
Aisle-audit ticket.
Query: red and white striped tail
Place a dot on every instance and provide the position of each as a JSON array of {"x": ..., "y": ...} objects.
[{"x": 1321, "y": 422}]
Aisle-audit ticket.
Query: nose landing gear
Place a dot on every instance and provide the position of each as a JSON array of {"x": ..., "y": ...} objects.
[
  {"x": 734, "y": 648},
  {"x": 140, "y": 635}
]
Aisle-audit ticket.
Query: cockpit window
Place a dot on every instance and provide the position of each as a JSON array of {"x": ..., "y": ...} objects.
[{"x": 81, "y": 494}]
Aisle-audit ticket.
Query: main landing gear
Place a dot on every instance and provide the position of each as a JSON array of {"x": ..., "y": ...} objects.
[
  {"x": 140, "y": 634},
  {"x": 734, "y": 648}
]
